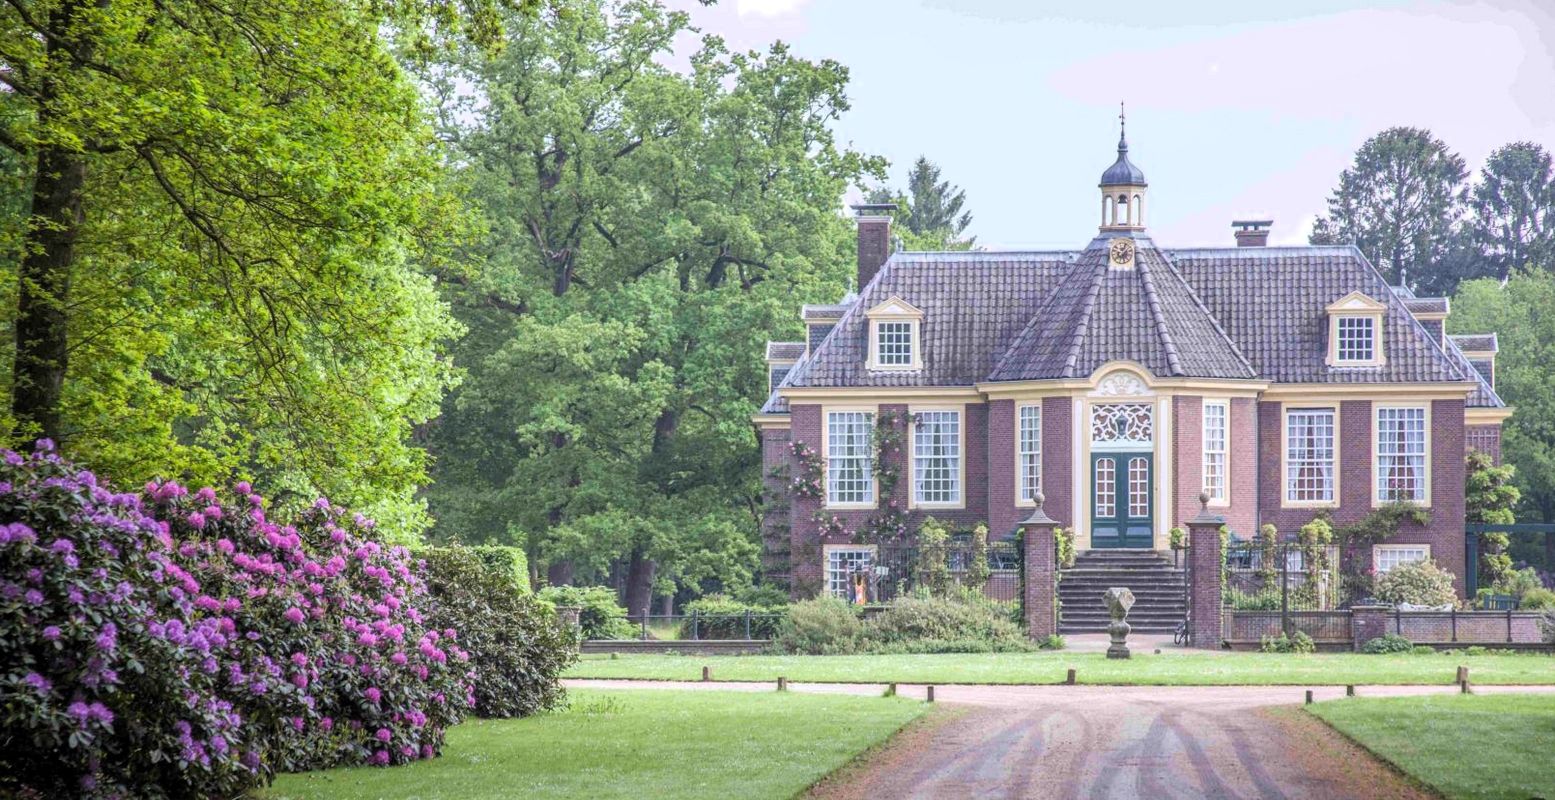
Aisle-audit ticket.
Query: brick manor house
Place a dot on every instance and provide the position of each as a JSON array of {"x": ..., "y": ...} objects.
[{"x": 1118, "y": 382}]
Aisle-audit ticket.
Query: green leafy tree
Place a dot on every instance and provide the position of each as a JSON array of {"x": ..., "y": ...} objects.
[
  {"x": 210, "y": 272},
  {"x": 647, "y": 231},
  {"x": 1491, "y": 497},
  {"x": 1514, "y": 209},
  {"x": 1519, "y": 313},
  {"x": 1401, "y": 203},
  {"x": 931, "y": 213}
]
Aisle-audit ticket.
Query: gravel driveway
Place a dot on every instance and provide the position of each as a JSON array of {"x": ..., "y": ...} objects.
[{"x": 1111, "y": 742}]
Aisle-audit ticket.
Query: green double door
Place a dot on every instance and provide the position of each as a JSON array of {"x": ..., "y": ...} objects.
[{"x": 1122, "y": 494}]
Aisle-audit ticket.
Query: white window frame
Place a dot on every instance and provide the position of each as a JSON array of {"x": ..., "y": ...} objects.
[
  {"x": 827, "y": 413},
  {"x": 1352, "y": 306},
  {"x": 1287, "y": 498},
  {"x": 835, "y": 583},
  {"x": 895, "y": 310},
  {"x": 1378, "y": 549},
  {"x": 914, "y": 469},
  {"x": 1028, "y": 454},
  {"x": 1223, "y": 496},
  {"x": 1423, "y": 495}
]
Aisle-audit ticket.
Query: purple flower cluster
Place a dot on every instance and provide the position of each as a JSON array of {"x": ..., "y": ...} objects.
[{"x": 225, "y": 633}]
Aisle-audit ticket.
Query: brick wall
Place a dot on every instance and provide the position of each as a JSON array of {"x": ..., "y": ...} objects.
[
  {"x": 1188, "y": 455},
  {"x": 776, "y": 524},
  {"x": 1058, "y": 459},
  {"x": 1243, "y": 513},
  {"x": 1002, "y": 511},
  {"x": 1445, "y": 531}
]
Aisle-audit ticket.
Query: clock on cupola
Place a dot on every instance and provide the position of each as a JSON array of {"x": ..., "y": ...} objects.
[{"x": 1123, "y": 189}]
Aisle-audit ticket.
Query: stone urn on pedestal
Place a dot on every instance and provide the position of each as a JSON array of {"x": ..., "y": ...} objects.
[{"x": 1119, "y": 601}]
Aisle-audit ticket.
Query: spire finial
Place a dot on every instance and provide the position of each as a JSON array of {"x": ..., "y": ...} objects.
[{"x": 1122, "y": 128}]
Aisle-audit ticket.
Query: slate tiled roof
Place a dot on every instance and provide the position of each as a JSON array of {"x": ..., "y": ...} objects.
[
  {"x": 1476, "y": 342},
  {"x": 1483, "y": 395},
  {"x": 812, "y": 311},
  {"x": 784, "y": 351},
  {"x": 1273, "y": 300},
  {"x": 1426, "y": 305},
  {"x": 1146, "y": 314},
  {"x": 973, "y": 304},
  {"x": 1251, "y": 312}
]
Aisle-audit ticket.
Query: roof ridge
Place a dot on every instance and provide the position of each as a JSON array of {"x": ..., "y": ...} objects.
[
  {"x": 1214, "y": 321},
  {"x": 1173, "y": 358},
  {"x": 1082, "y": 325}
]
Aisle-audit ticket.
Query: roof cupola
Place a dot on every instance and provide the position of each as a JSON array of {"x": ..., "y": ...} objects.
[{"x": 1123, "y": 188}]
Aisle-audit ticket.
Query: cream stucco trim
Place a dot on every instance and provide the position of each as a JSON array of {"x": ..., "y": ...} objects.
[
  {"x": 874, "y": 481},
  {"x": 1486, "y": 416},
  {"x": 912, "y": 458},
  {"x": 1356, "y": 304},
  {"x": 772, "y": 422},
  {"x": 1376, "y": 460},
  {"x": 1285, "y": 501},
  {"x": 895, "y": 309},
  {"x": 1225, "y": 403},
  {"x": 1319, "y": 393}
]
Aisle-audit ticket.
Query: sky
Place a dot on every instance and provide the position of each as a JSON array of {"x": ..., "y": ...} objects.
[{"x": 1236, "y": 109}]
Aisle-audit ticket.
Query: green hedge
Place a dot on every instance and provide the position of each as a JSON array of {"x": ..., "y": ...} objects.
[
  {"x": 506, "y": 560},
  {"x": 517, "y": 649},
  {"x": 600, "y": 615}
]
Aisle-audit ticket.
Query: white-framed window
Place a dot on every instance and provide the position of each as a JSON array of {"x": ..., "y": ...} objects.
[
  {"x": 1357, "y": 341},
  {"x": 1355, "y": 331},
  {"x": 1310, "y": 452},
  {"x": 1387, "y": 556},
  {"x": 893, "y": 343},
  {"x": 1217, "y": 434},
  {"x": 1029, "y": 451},
  {"x": 850, "y": 476},
  {"x": 936, "y": 458},
  {"x": 846, "y": 567},
  {"x": 1400, "y": 466}
]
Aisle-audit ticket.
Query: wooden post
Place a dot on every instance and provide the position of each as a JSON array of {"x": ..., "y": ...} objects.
[
  {"x": 929, "y": 693},
  {"x": 1070, "y": 678},
  {"x": 1349, "y": 690},
  {"x": 890, "y": 690},
  {"x": 782, "y": 683},
  {"x": 707, "y": 673},
  {"x": 1309, "y": 697}
]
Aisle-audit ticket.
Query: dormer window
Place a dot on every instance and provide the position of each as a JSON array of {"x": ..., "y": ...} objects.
[
  {"x": 1355, "y": 332},
  {"x": 895, "y": 342}
]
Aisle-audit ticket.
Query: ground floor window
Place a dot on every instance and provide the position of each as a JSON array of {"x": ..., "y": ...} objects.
[
  {"x": 847, "y": 572},
  {"x": 1387, "y": 556}
]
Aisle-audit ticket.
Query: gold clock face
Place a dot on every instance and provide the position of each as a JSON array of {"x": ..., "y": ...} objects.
[{"x": 1122, "y": 251}]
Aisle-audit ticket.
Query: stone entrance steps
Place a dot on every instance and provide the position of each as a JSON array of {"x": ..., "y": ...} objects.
[{"x": 1158, "y": 587}]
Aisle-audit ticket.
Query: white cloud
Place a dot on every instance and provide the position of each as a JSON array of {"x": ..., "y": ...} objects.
[{"x": 767, "y": 8}]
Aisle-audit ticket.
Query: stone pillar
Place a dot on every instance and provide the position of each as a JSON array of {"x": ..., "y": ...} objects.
[
  {"x": 1041, "y": 573},
  {"x": 1204, "y": 603},
  {"x": 1368, "y": 622},
  {"x": 569, "y": 618}
]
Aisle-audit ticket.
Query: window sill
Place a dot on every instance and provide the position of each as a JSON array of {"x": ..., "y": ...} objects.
[{"x": 871, "y": 506}]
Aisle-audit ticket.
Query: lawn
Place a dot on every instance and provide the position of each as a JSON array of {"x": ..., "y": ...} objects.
[
  {"x": 632, "y": 745},
  {"x": 1464, "y": 746},
  {"x": 1206, "y": 669}
]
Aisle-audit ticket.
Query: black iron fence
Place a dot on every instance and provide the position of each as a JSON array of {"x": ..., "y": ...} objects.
[
  {"x": 901, "y": 569},
  {"x": 1279, "y": 587},
  {"x": 697, "y": 626}
]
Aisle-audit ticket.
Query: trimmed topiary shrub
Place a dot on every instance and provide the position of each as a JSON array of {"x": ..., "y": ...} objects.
[
  {"x": 823, "y": 626},
  {"x": 1536, "y": 600},
  {"x": 1419, "y": 583},
  {"x": 721, "y": 617},
  {"x": 1388, "y": 643},
  {"x": 517, "y": 647},
  {"x": 601, "y": 615}
]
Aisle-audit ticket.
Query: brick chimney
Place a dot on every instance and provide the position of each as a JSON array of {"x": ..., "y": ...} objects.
[
  {"x": 874, "y": 239},
  {"x": 1252, "y": 232}
]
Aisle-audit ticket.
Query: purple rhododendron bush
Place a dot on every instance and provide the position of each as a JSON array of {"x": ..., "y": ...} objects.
[{"x": 181, "y": 644}]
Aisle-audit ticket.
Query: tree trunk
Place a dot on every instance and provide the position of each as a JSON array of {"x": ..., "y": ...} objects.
[
  {"x": 639, "y": 583},
  {"x": 559, "y": 573},
  {"x": 44, "y": 290}
]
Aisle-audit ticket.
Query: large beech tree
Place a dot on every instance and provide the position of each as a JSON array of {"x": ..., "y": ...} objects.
[
  {"x": 648, "y": 230},
  {"x": 207, "y": 271}
]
